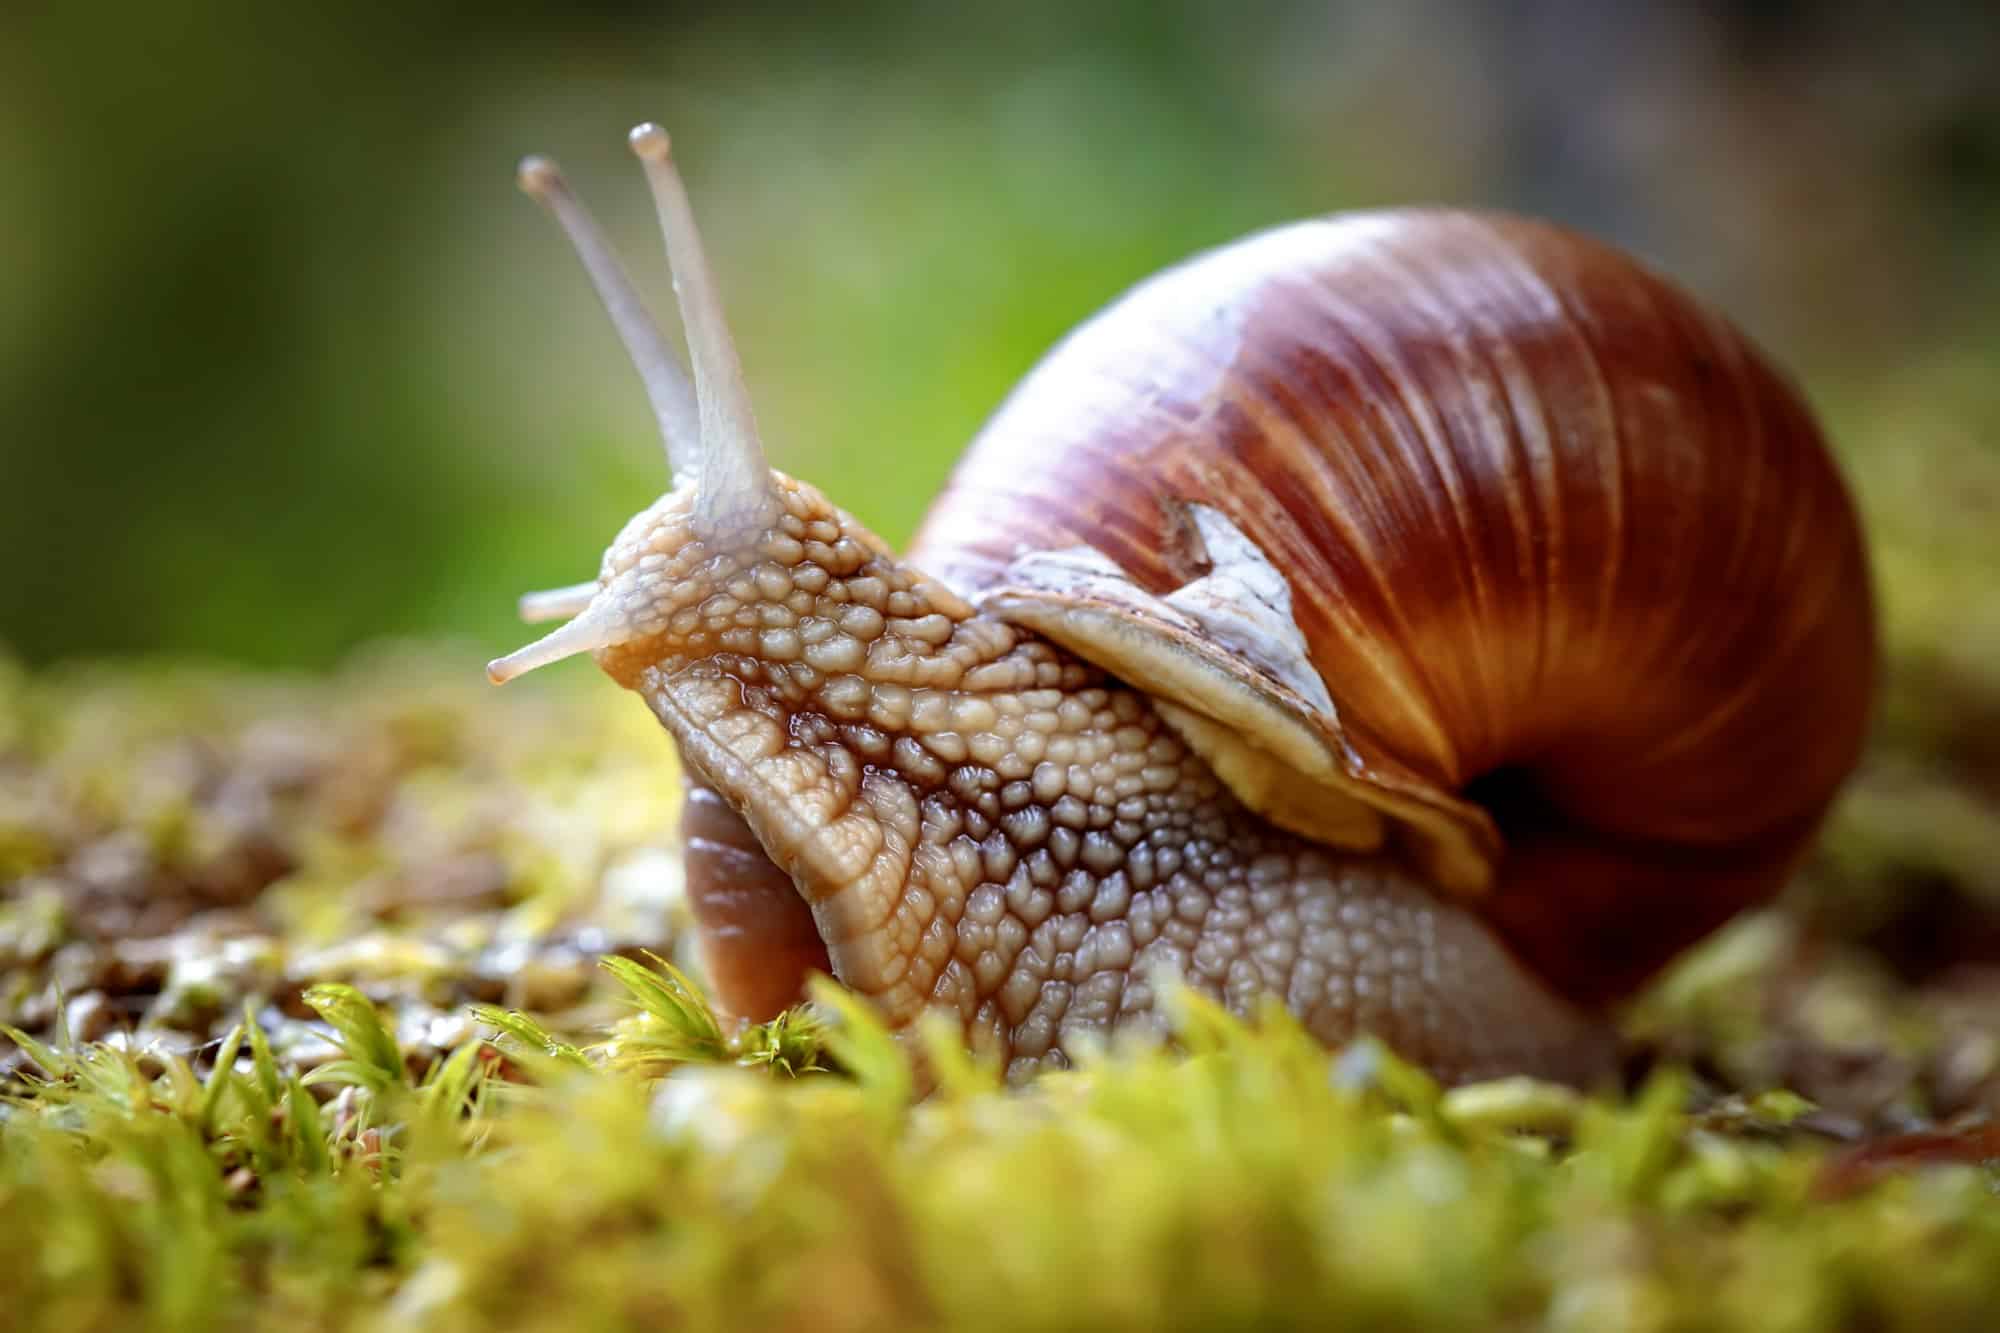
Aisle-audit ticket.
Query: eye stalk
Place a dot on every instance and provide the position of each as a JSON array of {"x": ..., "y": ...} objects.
[
  {"x": 708, "y": 427},
  {"x": 735, "y": 481},
  {"x": 666, "y": 382}
]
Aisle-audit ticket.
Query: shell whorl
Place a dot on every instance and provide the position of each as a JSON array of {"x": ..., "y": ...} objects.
[{"x": 1560, "y": 541}]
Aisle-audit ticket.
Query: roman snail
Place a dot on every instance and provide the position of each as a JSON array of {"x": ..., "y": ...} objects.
[{"x": 1432, "y": 619}]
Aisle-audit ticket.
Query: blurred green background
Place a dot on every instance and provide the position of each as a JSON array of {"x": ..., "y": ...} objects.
[{"x": 286, "y": 364}]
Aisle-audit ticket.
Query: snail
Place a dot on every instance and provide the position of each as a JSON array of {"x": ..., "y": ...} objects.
[{"x": 1433, "y": 620}]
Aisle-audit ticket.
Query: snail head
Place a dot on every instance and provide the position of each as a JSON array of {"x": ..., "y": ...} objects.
[{"x": 725, "y": 502}]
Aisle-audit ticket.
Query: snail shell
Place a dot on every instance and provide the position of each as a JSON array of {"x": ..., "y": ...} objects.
[{"x": 1582, "y": 584}]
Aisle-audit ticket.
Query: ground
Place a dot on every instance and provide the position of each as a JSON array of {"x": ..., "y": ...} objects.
[{"x": 309, "y": 1026}]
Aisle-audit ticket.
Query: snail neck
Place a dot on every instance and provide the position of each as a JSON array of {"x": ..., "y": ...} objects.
[
  {"x": 891, "y": 749},
  {"x": 905, "y": 815}
]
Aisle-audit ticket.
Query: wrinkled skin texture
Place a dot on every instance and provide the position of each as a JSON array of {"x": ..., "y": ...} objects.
[{"x": 954, "y": 814}]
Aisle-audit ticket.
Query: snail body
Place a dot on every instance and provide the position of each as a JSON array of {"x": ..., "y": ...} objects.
[{"x": 1434, "y": 620}]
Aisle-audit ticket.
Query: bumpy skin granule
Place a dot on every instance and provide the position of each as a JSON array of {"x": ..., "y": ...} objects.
[{"x": 975, "y": 821}]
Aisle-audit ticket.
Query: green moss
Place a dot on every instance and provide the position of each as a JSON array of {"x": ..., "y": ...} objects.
[
  {"x": 1249, "y": 1180},
  {"x": 394, "y": 1033}
]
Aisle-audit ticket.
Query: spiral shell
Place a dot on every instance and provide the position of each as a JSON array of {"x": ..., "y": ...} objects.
[{"x": 1571, "y": 560}]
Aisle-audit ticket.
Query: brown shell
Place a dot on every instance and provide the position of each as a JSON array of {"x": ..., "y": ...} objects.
[{"x": 1560, "y": 540}]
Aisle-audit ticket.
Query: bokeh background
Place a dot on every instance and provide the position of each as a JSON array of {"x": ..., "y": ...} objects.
[{"x": 286, "y": 365}]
